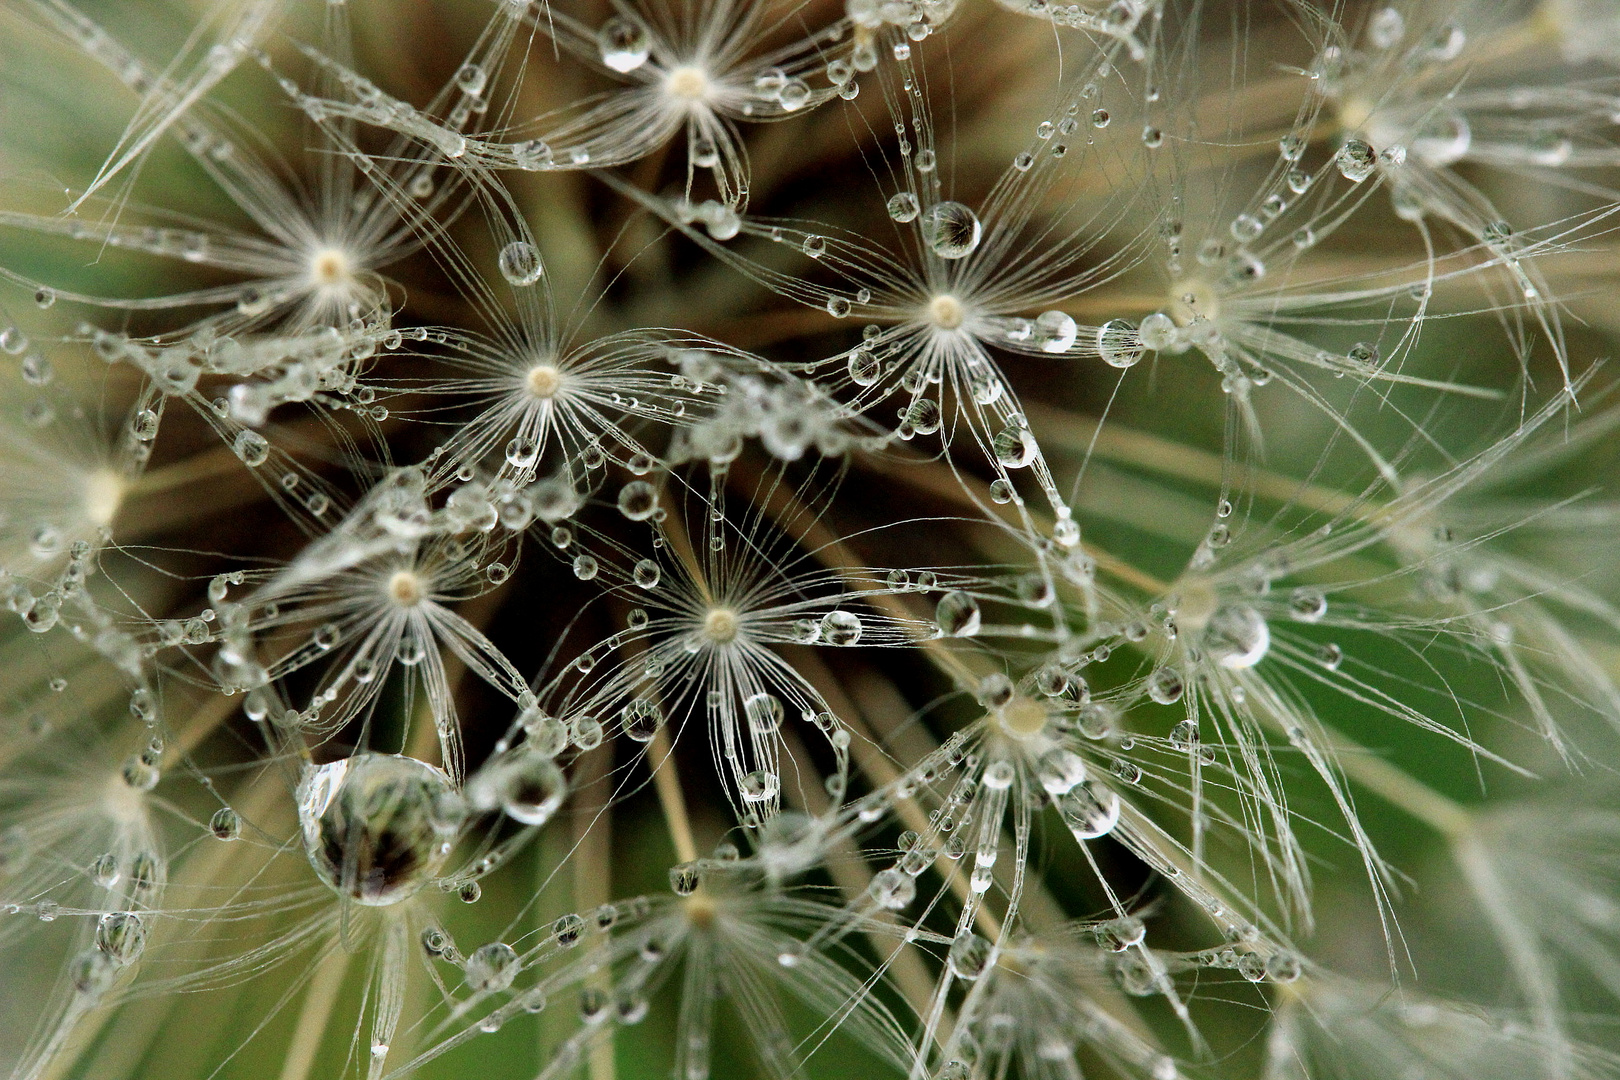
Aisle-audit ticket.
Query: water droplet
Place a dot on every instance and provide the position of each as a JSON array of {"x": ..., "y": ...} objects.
[
  {"x": 840, "y": 628},
  {"x": 121, "y": 935},
  {"x": 1166, "y": 686},
  {"x": 44, "y": 297},
  {"x": 526, "y": 784},
  {"x": 226, "y": 824},
  {"x": 892, "y": 889},
  {"x": 764, "y": 713},
  {"x": 1237, "y": 636},
  {"x": 1386, "y": 28},
  {"x": 492, "y": 968},
  {"x": 471, "y": 79},
  {"x": 1059, "y": 770},
  {"x": 638, "y": 500},
  {"x": 522, "y": 452},
  {"x": 969, "y": 955},
  {"x": 1014, "y": 446},
  {"x": 923, "y": 416},
  {"x": 1355, "y": 160},
  {"x": 641, "y": 719},
  {"x": 252, "y": 448},
  {"x": 624, "y": 45},
  {"x": 1119, "y": 344},
  {"x": 1054, "y": 331},
  {"x": 957, "y": 615},
  {"x": 760, "y": 786},
  {"x": 864, "y": 367},
  {"x": 520, "y": 263},
  {"x": 568, "y": 929},
  {"x": 646, "y": 574},
  {"x": 1307, "y": 605},
  {"x": 903, "y": 207},
  {"x": 373, "y": 825},
  {"x": 585, "y": 567},
  {"x": 951, "y": 230},
  {"x": 1158, "y": 332},
  {"x": 684, "y": 878},
  {"x": 1089, "y": 810}
]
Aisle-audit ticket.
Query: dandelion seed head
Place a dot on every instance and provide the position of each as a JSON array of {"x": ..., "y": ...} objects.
[
  {"x": 331, "y": 270},
  {"x": 688, "y": 83},
  {"x": 1022, "y": 717},
  {"x": 543, "y": 381},
  {"x": 946, "y": 312},
  {"x": 1193, "y": 298},
  {"x": 406, "y": 588},
  {"x": 721, "y": 625},
  {"x": 104, "y": 492}
]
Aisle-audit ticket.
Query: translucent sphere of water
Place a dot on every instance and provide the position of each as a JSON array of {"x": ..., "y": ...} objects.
[
  {"x": 951, "y": 230},
  {"x": 377, "y": 827}
]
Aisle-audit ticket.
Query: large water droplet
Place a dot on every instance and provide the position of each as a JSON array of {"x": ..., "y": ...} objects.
[
  {"x": 624, "y": 45},
  {"x": 520, "y": 263},
  {"x": 252, "y": 448},
  {"x": 951, "y": 230},
  {"x": 374, "y": 825},
  {"x": 957, "y": 615},
  {"x": 641, "y": 720},
  {"x": 764, "y": 712},
  {"x": 1089, "y": 810},
  {"x": 1054, "y": 331},
  {"x": 492, "y": 968},
  {"x": 1355, "y": 160},
  {"x": 527, "y": 785},
  {"x": 969, "y": 955},
  {"x": 841, "y": 628},
  {"x": 1237, "y": 636}
]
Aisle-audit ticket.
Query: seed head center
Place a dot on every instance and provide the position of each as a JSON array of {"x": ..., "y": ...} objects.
[
  {"x": 687, "y": 82},
  {"x": 406, "y": 588},
  {"x": 1022, "y": 717},
  {"x": 701, "y": 910},
  {"x": 946, "y": 312},
  {"x": 330, "y": 269},
  {"x": 1193, "y": 298},
  {"x": 544, "y": 381},
  {"x": 720, "y": 625},
  {"x": 1196, "y": 604},
  {"x": 103, "y": 495}
]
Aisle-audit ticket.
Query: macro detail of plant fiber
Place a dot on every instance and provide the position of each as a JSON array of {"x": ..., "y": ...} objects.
[{"x": 809, "y": 539}]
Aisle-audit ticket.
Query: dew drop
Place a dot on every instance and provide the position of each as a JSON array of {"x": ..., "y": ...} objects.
[
  {"x": 492, "y": 968},
  {"x": 624, "y": 45},
  {"x": 957, "y": 615},
  {"x": 373, "y": 825},
  {"x": 252, "y": 448},
  {"x": 1054, "y": 331},
  {"x": 226, "y": 824},
  {"x": 1119, "y": 344},
  {"x": 641, "y": 719},
  {"x": 841, "y": 628},
  {"x": 520, "y": 263},
  {"x": 951, "y": 230},
  {"x": 1355, "y": 160}
]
